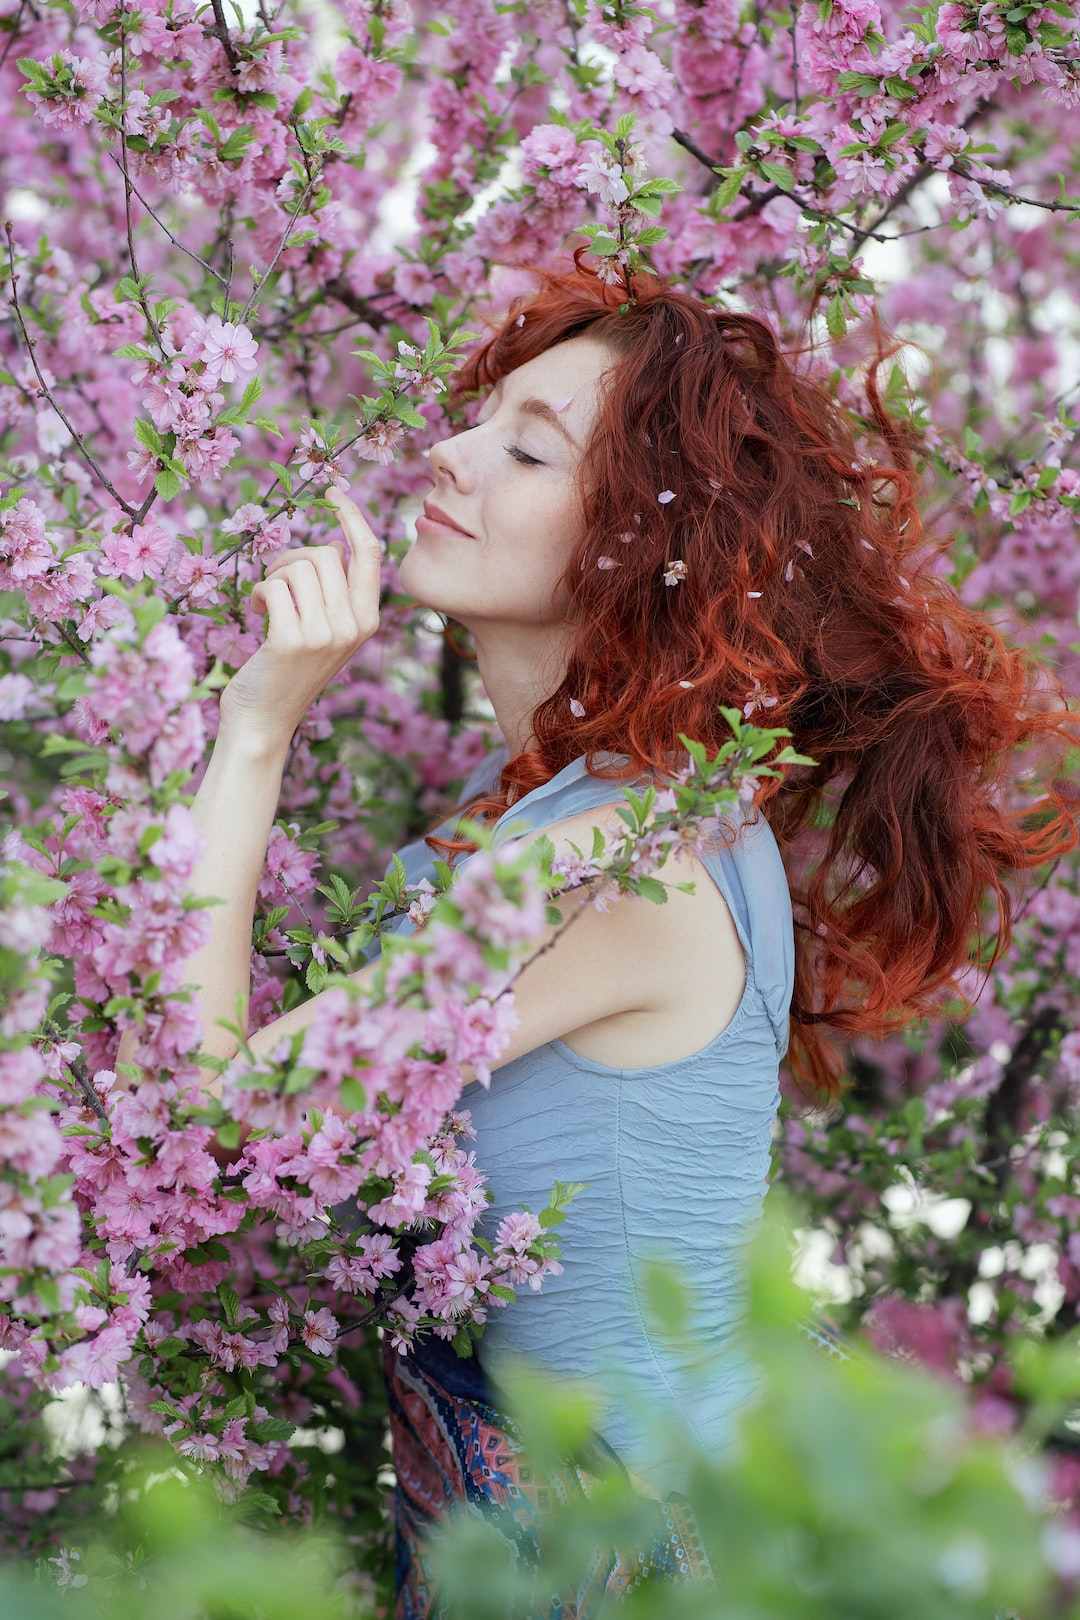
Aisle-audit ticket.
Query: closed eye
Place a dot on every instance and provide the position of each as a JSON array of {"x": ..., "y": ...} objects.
[{"x": 522, "y": 456}]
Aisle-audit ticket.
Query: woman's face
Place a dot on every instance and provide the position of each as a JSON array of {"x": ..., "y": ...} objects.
[{"x": 505, "y": 511}]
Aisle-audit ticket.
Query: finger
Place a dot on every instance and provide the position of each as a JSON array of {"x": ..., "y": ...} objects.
[
  {"x": 302, "y": 580},
  {"x": 278, "y": 560},
  {"x": 364, "y": 573},
  {"x": 329, "y": 565},
  {"x": 282, "y": 620}
]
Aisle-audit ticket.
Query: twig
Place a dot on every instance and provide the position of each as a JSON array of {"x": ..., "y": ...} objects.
[
  {"x": 268, "y": 272},
  {"x": 220, "y": 32},
  {"x": 1014, "y": 196},
  {"x": 681, "y": 138},
  {"x": 914, "y": 180},
  {"x": 74, "y": 645},
  {"x": 15, "y": 31},
  {"x": 86, "y": 1086},
  {"x": 143, "y": 302},
  {"x": 160, "y": 223},
  {"x": 77, "y": 437}
]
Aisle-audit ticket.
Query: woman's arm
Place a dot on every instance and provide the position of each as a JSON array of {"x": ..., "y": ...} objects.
[
  {"x": 637, "y": 985},
  {"x": 318, "y": 614}
]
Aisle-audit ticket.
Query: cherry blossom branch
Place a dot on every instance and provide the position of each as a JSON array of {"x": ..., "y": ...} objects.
[
  {"x": 160, "y": 223},
  {"x": 220, "y": 32},
  {"x": 999, "y": 190},
  {"x": 74, "y": 645},
  {"x": 47, "y": 392},
  {"x": 262, "y": 279},
  {"x": 914, "y": 180},
  {"x": 688, "y": 143},
  {"x": 78, "y": 1071},
  {"x": 144, "y": 304},
  {"x": 15, "y": 33}
]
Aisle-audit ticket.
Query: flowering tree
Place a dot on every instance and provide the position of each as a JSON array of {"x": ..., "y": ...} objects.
[{"x": 224, "y": 229}]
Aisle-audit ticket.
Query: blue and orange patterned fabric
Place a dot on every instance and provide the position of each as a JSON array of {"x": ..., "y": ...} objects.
[{"x": 454, "y": 1451}]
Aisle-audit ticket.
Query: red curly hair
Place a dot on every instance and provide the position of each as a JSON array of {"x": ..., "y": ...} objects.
[{"x": 807, "y": 582}]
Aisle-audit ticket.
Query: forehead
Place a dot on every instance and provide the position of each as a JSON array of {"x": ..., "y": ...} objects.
[{"x": 567, "y": 368}]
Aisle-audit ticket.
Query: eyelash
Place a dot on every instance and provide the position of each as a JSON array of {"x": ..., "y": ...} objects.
[{"x": 522, "y": 456}]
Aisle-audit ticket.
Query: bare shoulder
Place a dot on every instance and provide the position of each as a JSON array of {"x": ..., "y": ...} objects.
[
  {"x": 691, "y": 892},
  {"x": 671, "y": 974}
]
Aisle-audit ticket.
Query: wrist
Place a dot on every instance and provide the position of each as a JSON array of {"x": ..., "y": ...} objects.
[{"x": 251, "y": 743}]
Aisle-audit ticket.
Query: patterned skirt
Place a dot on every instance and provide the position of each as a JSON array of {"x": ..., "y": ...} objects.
[{"x": 454, "y": 1451}]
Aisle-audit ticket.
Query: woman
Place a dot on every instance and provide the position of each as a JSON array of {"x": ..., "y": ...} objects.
[{"x": 655, "y": 515}]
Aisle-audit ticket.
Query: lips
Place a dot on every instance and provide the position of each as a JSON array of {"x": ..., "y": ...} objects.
[{"x": 435, "y": 514}]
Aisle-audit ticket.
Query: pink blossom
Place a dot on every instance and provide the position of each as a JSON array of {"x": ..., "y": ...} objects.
[
  {"x": 601, "y": 175},
  {"x": 78, "y": 89},
  {"x": 377, "y": 442},
  {"x": 25, "y": 550},
  {"x": 319, "y": 1330},
  {"x": 140, "y": 554},
  {"x": 16, "y": 695},
  {"x": 208, "y": 456},
  {"x": 227, "y": 350},
  {"x": 94, "y": 1361},
  {"x": 245, "y": 519},
  {"x": 550, "y": 146}
]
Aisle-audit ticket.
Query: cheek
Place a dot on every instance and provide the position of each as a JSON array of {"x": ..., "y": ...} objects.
[{"x": 555, "y": 525}]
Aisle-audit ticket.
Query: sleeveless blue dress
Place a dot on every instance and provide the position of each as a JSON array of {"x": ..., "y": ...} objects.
[{"x": 674, "y": 1159}]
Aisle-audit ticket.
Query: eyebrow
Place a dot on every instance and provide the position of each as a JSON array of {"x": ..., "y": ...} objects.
[{"x": 543, "y": 413}]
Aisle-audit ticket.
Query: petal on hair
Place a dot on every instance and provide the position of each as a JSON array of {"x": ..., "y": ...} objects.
[
  {"x": 626, "y": 538},
  {"x": 753, "y": 594},
  {"x": 577, "y": 709},
  {"x": 607, "y": 562},
  {"x": 714, "y": 485},
  {"x": 665, "y": 496},
  {"x": 686, "y": 685}
]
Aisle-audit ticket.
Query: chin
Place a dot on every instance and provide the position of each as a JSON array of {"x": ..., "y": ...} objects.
[{"x": 421, "y": 583}]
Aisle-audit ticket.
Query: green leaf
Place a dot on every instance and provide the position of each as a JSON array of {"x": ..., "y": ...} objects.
[
  {"x": 229, "y": 1301},
  {"x": 352, "y": 1095},
  {"x": 147, "y": 435},
  {"x": 779, "y": 176},
  {"x": 666, "y": 1299},
  {"x": 272, "y": 1428},
  {"x": 729, "y": 187}
]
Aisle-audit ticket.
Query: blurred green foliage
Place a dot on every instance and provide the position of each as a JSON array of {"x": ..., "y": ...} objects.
[{"x": 858, "y": 1491}]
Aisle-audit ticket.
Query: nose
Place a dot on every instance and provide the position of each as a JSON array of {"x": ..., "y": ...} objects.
[{"x": 450, "y": 458}]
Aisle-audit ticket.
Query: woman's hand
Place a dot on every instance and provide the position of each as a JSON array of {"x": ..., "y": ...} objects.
[{"x": 319, "y": 612}]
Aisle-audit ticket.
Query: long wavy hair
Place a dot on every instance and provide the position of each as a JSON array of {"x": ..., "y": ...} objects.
[{"x": 807, "y": 589}]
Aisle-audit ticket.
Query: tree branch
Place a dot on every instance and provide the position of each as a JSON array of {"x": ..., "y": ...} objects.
[
  {"x": 82, "y": 1079},
  {"x": 220, "y": 32},
  {"x": 77, "y": 437}
]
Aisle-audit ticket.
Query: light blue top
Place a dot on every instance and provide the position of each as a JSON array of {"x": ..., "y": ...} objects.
[{"x": 674, "y": 1159}]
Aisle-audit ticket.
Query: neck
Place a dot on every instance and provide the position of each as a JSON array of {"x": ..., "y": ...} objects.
[{"x": 520, "y": 666}]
